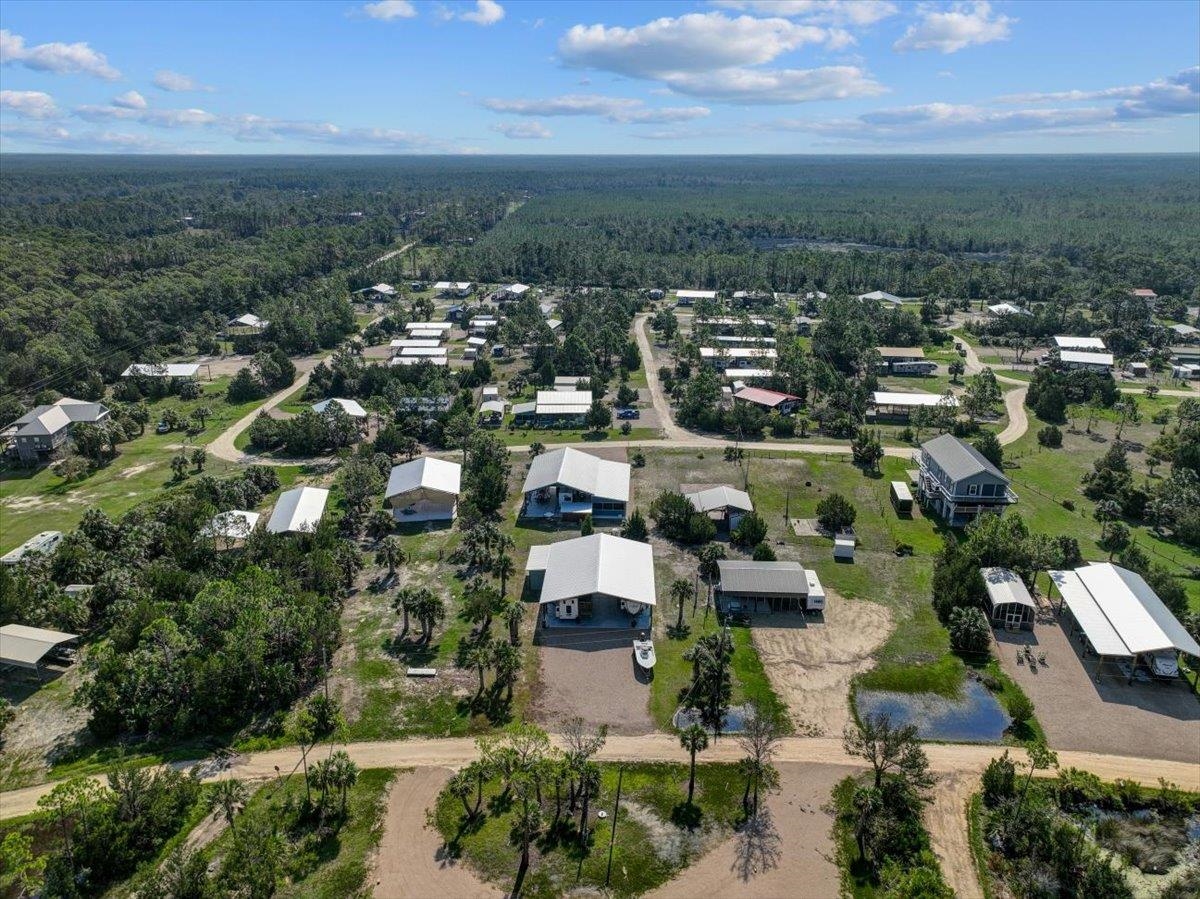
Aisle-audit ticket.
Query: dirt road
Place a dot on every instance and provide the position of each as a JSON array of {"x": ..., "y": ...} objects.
[
  {"x": 1018, "y": 419},
  {"x": 223, "y": 446},
  {"x": 411, "y": 860},
  {"x": 946, "y": 821}
]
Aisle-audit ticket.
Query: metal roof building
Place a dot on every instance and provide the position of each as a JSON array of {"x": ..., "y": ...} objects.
[
  {"x": 298, "y": 510},
  {"x": 781, "y": 586},
  {"x": 722, "y": 497},
  {"x": 1067, "y": 342},
  {"x": 236, "y": 524},
  {"x": 350, "y": 407},
  {"x": 596, "y": 564},
  {"x": 424, "y": 489},
  {"x": 162, "y": 370},
  {"x": 22, "y": 646},
  {"x": 1009, "y": 601},
  {"x": 957, "y": 458}
]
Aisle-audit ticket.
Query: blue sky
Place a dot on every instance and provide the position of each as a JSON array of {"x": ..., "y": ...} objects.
[{"x": 502, "y": 76}]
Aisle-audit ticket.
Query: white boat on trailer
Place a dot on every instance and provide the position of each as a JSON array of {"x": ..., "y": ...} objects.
[{"x": 643, "y": 652}]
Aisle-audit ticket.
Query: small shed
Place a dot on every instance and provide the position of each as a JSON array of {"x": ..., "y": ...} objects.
[
  {"x": 843, "y": 548},
  {"x": 1009, "y": 603},
  {"x": 902, "y": 499}
]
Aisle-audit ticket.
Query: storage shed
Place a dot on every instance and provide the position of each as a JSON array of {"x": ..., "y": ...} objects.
[{"x": 902, "y": 498}]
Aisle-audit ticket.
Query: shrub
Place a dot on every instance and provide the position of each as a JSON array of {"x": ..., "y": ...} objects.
[
  {"x": 1020, "y": 709},
  {"x": 764, "y": 553},
  {"x": 751, "y": 531},
  {"x": 834, "y": 512},
  {"x": 1069, "y": 505},
  {"x": 969, "y": 629},
  {"x": 1050, "y": 436},
  {"x": 782, "y": 427},
  {"x": 999, "y": 781}
]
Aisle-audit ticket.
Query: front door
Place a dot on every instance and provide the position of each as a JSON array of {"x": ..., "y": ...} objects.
[{"x": 1014, "y": 617}]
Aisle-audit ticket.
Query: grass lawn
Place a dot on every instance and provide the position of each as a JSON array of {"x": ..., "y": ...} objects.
[
  {"x": 652, "y": 843},
  {"x": 36, "y": 499}
]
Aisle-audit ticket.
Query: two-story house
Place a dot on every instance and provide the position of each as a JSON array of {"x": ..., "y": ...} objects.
[
  {"x": 43, "y": 430},
  {"x": 958, "y": 483}
]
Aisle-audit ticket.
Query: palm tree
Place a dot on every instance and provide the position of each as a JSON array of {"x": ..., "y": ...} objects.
[
  {"x": 507, "y": 662},
  {"x": 391, "y": 554},
  {"x": 461, "y": 786},
  {"x": 430, "y": 611},
  {"x": 504, "y": 568},
  {"x": 343, "y": 774},
  {"x": 680, "y": 591},
  {"x": 478, "y": 657},
  {"x": 693, "y": 738},
  {"x": 380, "y": 524},
  {"x": 229, "y": 797},
  {"x": 202, "y": 413},
  {"x": 403, "y": 604},
  {"x": 513, "y": 613}
]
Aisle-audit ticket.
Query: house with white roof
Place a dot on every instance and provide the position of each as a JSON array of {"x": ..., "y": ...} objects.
[
  {"x": 379, "y": 291},
  {"x": 230, "y": 527},
  {"x": 898, "y": 405},
  {"x": 567, "y": 483},
  {"x": 1009, "y": 604},
  {"x": 425, "y": 489},
  {"x": 42, "y": 544},
  {"x": 881, "y": 296},
  {"x": 725, "y": 505},
  {"x": 1121, "y": 619},
  {"x": 1070, "y": 342},
  {"x": 44, "y": 429},
  {"x": 298, "y": 510},
  {"x": 689, "y": 297},
  {"x": 246, "y": 323},
  {"x": 1000, "y": 309},
  {"x": 556, "y": 407},
  {"x": 1080, "y": 360},
  {"x": 162, "y": 370},
  {"x": 598, "y": 581},
  {"x": 350, "y": 407},
  {"x": 737, "y": 356},
  {"x": 454, "y": 288},
  {"x": 512, "y": 292},
  {"x": 440, "y": 328}
]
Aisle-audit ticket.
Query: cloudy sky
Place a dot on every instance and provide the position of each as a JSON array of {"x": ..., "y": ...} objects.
[{"x": 502, "y": 76}]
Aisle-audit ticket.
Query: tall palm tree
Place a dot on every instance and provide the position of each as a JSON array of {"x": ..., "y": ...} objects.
[
  {"x": 693, "y": 738},
  {"x": 504, "y": 568},
  {"x": 229, "y": 797},
  {"x": 343, "y": 774},
  {"x": 514, "y": 612},
  {"x": 479, "y": 657}
]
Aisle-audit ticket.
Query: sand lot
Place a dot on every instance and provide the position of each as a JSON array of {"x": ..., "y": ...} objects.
[
  {"x": 596, "y": 681},
  {"x": 794, "y": 859},
  {"x": 811, "y": 661},
  {"x": 1109, "y": 715}
]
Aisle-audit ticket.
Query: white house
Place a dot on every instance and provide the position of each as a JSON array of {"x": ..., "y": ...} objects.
[
  {"x": 513, "y": 292},
  {"x": 724, "y": 504},
  {"x": 454, "y": 288},
  {"x": 1000, "y": 309},
  {"x": 594, "y": 581},
  {"x": 567, "y": 483},
  {"x": 689, "y": 297},
  {"x": 424, "y": 489},
  {"x": 881, "y": 296},
  {"x": 380, "y": 291},
  {"x": 298, "y": 510},
  {"x": 247, "y": 322},
  {"x": 162, "y": 370},
  {"x": 234, "y": 525},
  {"x": 1069, "y": 342},
  {"x": 1077, "y": 359},
  {"x": 350, "y": 407},
  {"x": 779, "y": 586}
]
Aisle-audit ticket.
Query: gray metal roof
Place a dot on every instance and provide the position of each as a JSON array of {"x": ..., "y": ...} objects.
[
  {"x": 1004, "y": 587},
  {"x": 959, "y": 459},
  {"x": 784, "y": 578}
]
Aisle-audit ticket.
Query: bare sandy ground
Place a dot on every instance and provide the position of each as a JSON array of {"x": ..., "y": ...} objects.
[
  {"x": 796, "y": 861},
  {"x": 946, "y": 821},
  {"x": 598, "y": 684},
  {"x": 410, "y": 861},
  {"x": 811, "y": 663}
]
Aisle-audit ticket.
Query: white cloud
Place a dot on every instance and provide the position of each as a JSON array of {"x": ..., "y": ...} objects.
[
  {"x": 615, "y": 109},
  {"x": 176, "y": 82},
  {"x": 387, "y": 10},
  {"x": 130, "y": 100},
  {"x": 255, "y": 128},
  {"x": 1178, "y": 94},
  {"x": 486, "y": 12},
  {"x": 523, "y": 130},
  {"x": 63, "y": 59},
  {"x": 58, "y": 138},
  {"x": 158, "y": 118},
  {"x": 950, "y": 30},
  {"x": 766, "y": 86},
  {"x": 696, "y": 42},
  {"x": 846, "y": 12},
  {"x": 29, "y": 104},
  {"x": 716, "y": 57}
]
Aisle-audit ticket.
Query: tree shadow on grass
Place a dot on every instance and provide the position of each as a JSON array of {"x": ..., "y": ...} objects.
[{"x": 687, "y": 814}]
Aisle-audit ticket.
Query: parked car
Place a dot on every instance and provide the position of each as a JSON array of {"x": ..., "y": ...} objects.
[
  {"x": 162, "y": 428},
  {"x": 628, "y": 413}
]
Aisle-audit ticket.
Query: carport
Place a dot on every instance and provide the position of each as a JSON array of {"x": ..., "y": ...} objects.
[
  {"x": 22, "y": 646},
  {"x": 1121, "y": 617}
]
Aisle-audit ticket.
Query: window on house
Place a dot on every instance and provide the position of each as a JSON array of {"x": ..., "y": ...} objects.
[{"x": 973, "y": 490}]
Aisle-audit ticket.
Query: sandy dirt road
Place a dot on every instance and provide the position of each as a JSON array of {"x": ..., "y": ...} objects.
[
  {"x": 411, "y": 859},
  {"x": 223, "y": 446},
  {"x": 946, "y": 821}
]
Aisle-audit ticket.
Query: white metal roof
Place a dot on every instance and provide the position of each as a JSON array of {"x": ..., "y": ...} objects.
[
  {"x": 732, "y": 373},
  {"x": 37, "y": 545},
  {"x": 538, "y": 557},
  {"x": 901, "y": 490},
  {"x": 385, "y": 289},
  {"x": 411, "y": 352},
  {"x": 737, "y": 352},
  {"x": 888, "y": 398},
  {"x": 476, "y": 341},
  {"x": 24, "y": 646},
  {"x": 428, "y": 326},
  {"x": 1067, "y": 342},
  {"x": 1077, "y": 357},
  {"x": 1119, "y": 612},
  {"x": 516, "y": 289},
  {"x": 1008, "y": 309},
  {"x": 722, "y": 497},
  {"x": 550, "y": 398},
  {"x": 249, "y": 320},
  {"x": 599, "y": 563},
  {"x": 350, "y": 407},
  {"x": 696, "y": 294},
  {"x": 881, "y": 295},
  {"x": 426, "y": 473},
  {"x": 581, "y": 471},
  {"x": 417, "y": 360},
  {"x": 401, "y": 342},
  {"x": 299, "y": 509},
  {"x": 727, "y": 320},
  {"x": 233, "y": 525},
  {"x": 492, "y": 406},
  {"x": 162, "y": 370},
  {"x": 452, "y": 285},
  {"x": 1004, "y": 587}
]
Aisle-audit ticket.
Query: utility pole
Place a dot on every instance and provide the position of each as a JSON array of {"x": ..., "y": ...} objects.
[{"x": 613, "y": 835}]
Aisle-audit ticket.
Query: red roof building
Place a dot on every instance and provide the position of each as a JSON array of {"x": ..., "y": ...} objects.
[{"x": 769, "y": 399}]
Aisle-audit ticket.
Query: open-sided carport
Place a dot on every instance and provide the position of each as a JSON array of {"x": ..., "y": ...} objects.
[
  {"x": 1121, "y": 617},
  {"x": 22, "y": 646}
]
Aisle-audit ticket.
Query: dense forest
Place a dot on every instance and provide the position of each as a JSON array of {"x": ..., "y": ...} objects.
[{"x": 107, "y": 260}]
